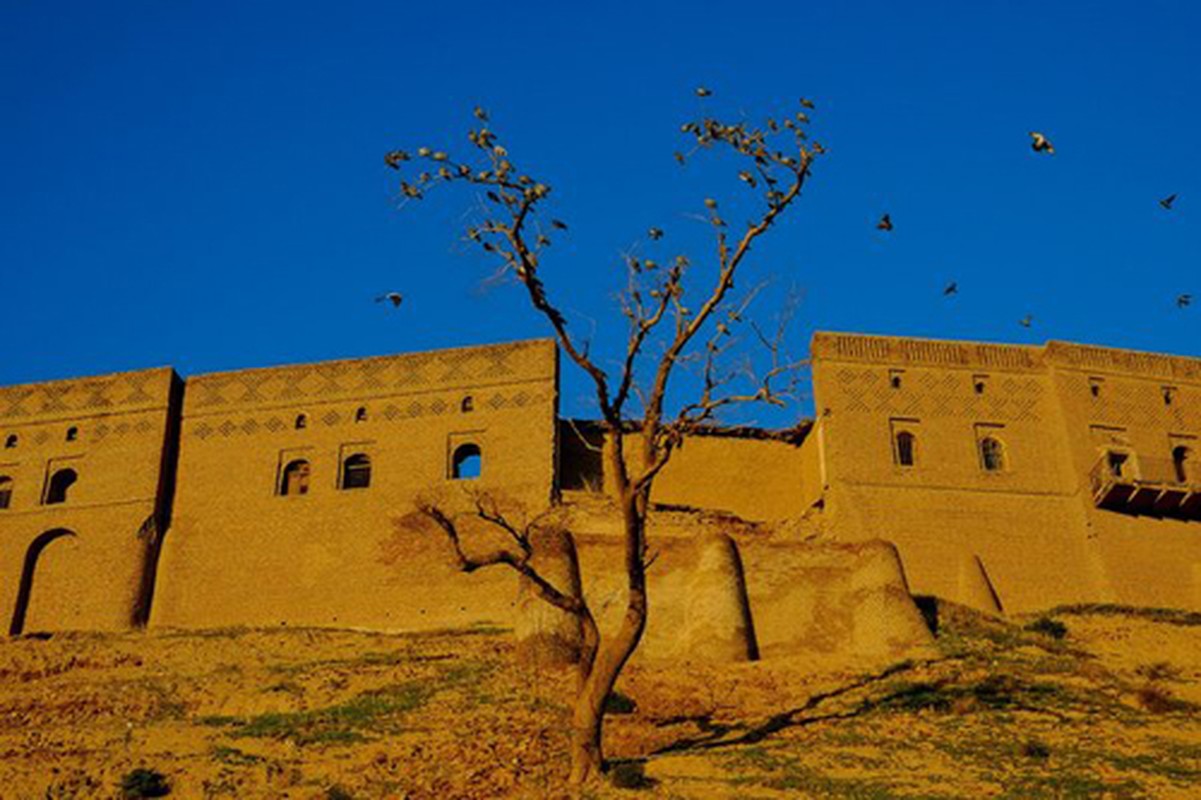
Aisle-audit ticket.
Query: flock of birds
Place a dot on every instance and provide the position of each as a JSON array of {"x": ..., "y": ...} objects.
[{"x": 1039, "y": 144}]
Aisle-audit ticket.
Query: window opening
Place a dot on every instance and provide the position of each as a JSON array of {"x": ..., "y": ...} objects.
[
  {"x": 356, "y": 472},
  {"x": 467, "y": 462},
  {"x": 6, "y": 491},
  {"x": 360, "y": 415},
  {"x": 992, "y": 454},
  {"x": 1117, "y": 463},
  {"x": 60, "y": 484},
  {"x": 72, "y": 433},
  {"x": 906, "y": 446},
  {"x": 468, "y": 404},
  {"x": 1182, "y": 461},
  {"x": 295, "y": 478},
  {"x": 894, "y": 378},
  {"x": 302, "y": 422},
  {"x": 10, "y": 442}
]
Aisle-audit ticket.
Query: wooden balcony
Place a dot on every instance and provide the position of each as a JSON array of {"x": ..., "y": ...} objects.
[{"x": 1140, "y": 485}]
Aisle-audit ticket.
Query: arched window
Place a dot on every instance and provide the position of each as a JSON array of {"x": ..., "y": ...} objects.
[
  {"x": 302, "y": 422},
  {"x": 467, "y": 462},
  {"x": 468, "y": 404},
  {"x": 72, "y": 433},
  {"x": 356, "y": 472},
  {"x": 992, "y": 454},
  {"x": 10, "y": 442},
  {"x": 6, "y": 491},
  {"x": 60, "y": 483},
  {"x": 361, "y": 414},
  {"x": 295, "y": 478},
  {"x": 1182, "y": 460},
  {"x": 906, "y": 449}
]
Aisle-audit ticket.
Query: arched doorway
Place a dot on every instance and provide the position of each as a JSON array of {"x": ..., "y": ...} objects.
[{"x": 17, "y": 626}]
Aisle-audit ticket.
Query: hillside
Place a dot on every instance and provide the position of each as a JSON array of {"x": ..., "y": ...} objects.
[{"x": 1105, "y": 706}]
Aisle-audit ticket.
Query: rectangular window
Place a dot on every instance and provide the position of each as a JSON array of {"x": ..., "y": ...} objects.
[
  {"x": 896, "y": 378},
  {"x": 979, "y": 383},
  {"x": 904, "y": 433},
  {"x": 294, "y": 472}
]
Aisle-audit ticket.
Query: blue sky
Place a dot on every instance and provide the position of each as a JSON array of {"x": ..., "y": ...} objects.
[{"x": 202, "y": 185}]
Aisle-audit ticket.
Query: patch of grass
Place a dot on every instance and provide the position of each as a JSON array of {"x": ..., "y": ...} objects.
[
  {"x": 339, "y": 724},
  {"x": 143, "y": 782},
  {"x": 1048, "y": 627},
  {"x": 235, "y": 757},
  {"x": 1170, "y": 616}
]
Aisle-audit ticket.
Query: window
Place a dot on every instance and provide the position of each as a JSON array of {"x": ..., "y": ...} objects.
[
  {"x": 302, "y": 422},
  {"x": 361, "y": 414},
  {"x": 10, "y": 442},
  {"x": 1182, "y": 461},
  {"x": 1094, "y": 386},
  {"x": 356, "y": 472},
  {"x": 6, "y": 491},
  {"x": 468, "y": 404},
  {"x": 979, "y": 383},
  {"x": 894, "y": 378},
  {"x": 72, "y": 433},
  {"x": 1117, "y": 463},
  {"x": 294, "y": 478},
  {"x": 906, "y": 448},
  {"x": 1169, "y": 394},
  {"x": 58, "y": 486},
  {"x": 467, "y": 462},
  {"x": 992, "y": 454}
]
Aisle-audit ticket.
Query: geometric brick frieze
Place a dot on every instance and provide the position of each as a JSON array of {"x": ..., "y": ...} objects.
[
  {"x": 127, "y": 391},
  {"x": 378, "y": 377},
  {"x": 393, "y": 410}
]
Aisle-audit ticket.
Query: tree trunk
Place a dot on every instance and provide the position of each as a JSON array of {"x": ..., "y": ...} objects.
[{"x": 588, "y": 714}]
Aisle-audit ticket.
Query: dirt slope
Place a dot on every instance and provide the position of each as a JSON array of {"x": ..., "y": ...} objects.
[{"x": 1108, "y": 709}]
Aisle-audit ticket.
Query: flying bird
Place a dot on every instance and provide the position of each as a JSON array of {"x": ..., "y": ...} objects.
[
  {"x": 1167, "y": 202},
  {"x": 885, "y": 223},
  {"x": 655, "y": 233},
  {"x": 395, "y": 298},
  {"x": 555, "y": 223},
  {"x": 1026, "y": 321},
  {"x": 701, "y": 91},
  {"x": 1041, "y": 144},
  {"x": 1184, "y": 301},
  {"x": 950, "y": 289}
]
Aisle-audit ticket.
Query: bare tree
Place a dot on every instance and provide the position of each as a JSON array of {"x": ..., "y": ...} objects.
[{"x": 672, "y": 322}]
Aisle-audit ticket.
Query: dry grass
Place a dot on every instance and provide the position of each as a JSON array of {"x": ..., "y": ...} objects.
[{"x": 1001, "y": 710}]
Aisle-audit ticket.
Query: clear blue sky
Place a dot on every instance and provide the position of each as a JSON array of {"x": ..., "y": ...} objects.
[{"x": 201, "y": 184}]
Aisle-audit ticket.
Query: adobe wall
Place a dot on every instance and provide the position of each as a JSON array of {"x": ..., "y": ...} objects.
[
  {"x": 757, "y": 478},
  {"x": 238, "y": 553},
  {"x": 90, "y": 578},
  {"x": 1032, "y": 525},
  {"x": 1149, "y": 560}
]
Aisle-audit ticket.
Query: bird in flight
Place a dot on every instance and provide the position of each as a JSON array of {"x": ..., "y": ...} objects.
[
  {"x": 395, "y": 298},
  {"x": 950, "y": 289},
  {"x": 1184, "y": 301},
  {"x": 1026, "y": 321},
  {"x": 885, "y": 223},
  {"x": 1167, "y": 202},
  {"x": 655, "y": 233},
  {"x": 558, "y": 224},
  {"x": 701, "y": 91},
  {"x": 1041, "y": 144}
]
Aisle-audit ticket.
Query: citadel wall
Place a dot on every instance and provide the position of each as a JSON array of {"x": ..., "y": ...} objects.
[
  {"x": 247, "y": 548},
  {"x": 1030, "y": 522},
  {"x": 85, "y": 468}
]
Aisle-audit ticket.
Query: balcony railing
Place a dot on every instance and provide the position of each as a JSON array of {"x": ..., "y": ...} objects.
[{"x": 1147, "y": 485}]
